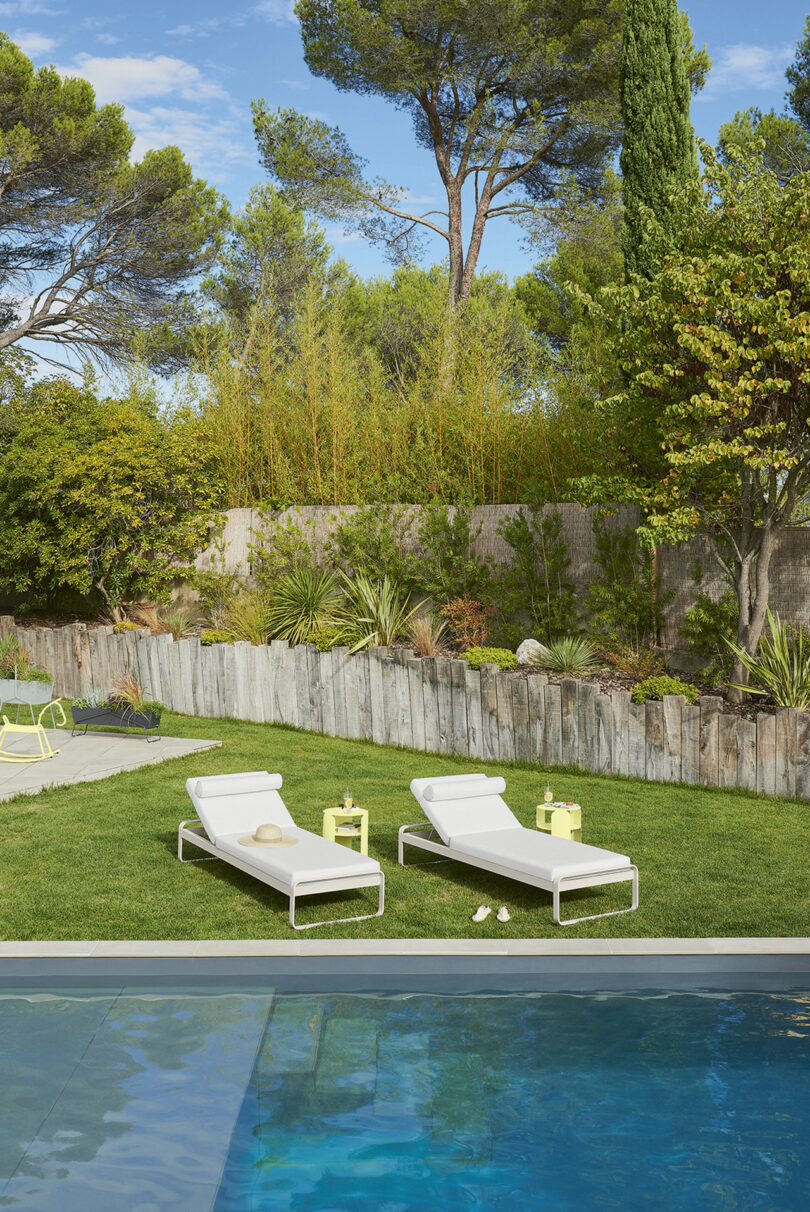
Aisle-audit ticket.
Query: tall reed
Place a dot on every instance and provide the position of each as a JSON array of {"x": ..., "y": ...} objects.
[{"x": 308, "y": 415}]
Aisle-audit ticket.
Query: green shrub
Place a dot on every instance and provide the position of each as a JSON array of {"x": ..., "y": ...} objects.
[
  {"x": 372, "y": 541},
  {"x": 569, "y": 655},
  {"x": 623, "y": 604},
  {"x": 447, "y": 567},
  {"x": 215, "y": 636},
  {"x": 709, "y": 626},
  {"x": 125, "y": 625},
  {"x": 536, "y": 585},
  {"x": 13, "y": 655},
  {"x": 656, "y": 688},
  {"x": 330, "y": 636},
  {"x": 490, "y": 656}
]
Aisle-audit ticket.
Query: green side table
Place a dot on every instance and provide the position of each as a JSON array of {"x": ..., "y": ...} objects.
[{"x": 343, "y": 825}]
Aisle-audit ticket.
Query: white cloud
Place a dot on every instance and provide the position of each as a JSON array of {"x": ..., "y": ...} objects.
[
  {"x": 744, "y": 67},
  {"x": 276, "y": 12},
  {"x": 33, "y": 44},
  {"x": 294, "y": 83},
  {"x": 132, "y": 78},
  {"x": 29, "y": 8},
  {"x": 107, "y": 39},
  {"x": 211, "y": 145}
]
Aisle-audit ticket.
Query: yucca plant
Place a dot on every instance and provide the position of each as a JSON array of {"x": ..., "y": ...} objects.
[
  {"x": 247, "y": 618},
  {"x": 570, "y": 655},
  {"x": 378, "y": 610},
  {"x": 302, "y": 603},
  {"x": 781, "y": 666},
  {"x": 427, "y": 636}
]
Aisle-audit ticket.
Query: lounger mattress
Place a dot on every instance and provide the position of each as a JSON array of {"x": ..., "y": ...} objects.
[
  {"x": 312, "y": 858},
  {"x": 538, "y": 854}
]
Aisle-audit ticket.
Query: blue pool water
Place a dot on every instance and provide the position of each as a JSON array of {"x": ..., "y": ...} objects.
[{"x": 238, "y": 1102}]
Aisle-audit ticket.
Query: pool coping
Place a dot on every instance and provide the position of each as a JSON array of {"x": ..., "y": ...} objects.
[{"x": 288, "y": 948}]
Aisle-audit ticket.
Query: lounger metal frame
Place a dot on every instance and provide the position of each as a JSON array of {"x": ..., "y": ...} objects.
[
  {"x": 424, "y": 837},
  {"x": 303, "y": 887}
]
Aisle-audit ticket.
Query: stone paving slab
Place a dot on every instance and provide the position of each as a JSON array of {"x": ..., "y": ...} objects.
[{"x": 83, "y": 759}]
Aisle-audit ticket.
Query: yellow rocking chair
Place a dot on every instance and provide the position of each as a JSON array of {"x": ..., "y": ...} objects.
[{"x": 36, "y": 729}]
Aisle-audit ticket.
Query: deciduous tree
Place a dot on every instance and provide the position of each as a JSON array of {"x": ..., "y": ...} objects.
[
  {"x": 714, "y": 424},
  {"x": 93, "y": 249},
  {"x": 100, "y": 498}
]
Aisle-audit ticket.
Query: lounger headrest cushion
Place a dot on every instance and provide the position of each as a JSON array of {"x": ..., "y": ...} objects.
[
  {"x": 466, "y": 790},
  {"x": 236, "y": 784}
]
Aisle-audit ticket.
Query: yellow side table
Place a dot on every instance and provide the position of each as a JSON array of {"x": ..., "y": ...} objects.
[
  {"x": 560, "y": 820},
  {"x": 345, "y": 824}
]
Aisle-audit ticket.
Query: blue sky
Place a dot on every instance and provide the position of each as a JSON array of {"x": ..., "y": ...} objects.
[{"x": 187, "y": 71}]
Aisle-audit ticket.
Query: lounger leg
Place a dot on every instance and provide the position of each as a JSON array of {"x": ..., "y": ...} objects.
[
  {"x": 335, "y": 921},
  {"x": 401, "y": 839},
  {"x": 211, "y": 859},
  {"x": 572, "y": 921}
]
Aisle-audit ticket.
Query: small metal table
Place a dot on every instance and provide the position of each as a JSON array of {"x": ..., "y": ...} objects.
[
  {"x": 560, "y": 820},
  {"x": 343, "y": 825}
]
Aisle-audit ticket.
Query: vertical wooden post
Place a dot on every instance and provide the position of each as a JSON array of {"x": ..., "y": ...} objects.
[
  {"x": 604, "y": 733},
  {"x": 475, "y": 723},
  {"x": 489, "y": 712},
  {"x": 458, "y": 694},
  {"x": 569, "y": 709},
  {"x": 587, "y": 726},
  {"x": 637, "y": 740},
  {"x": 747, "y": 754},
  {"x": 690, "y": 743},
  {"x": 520, "y": 720},
  {"x": 417, "y": 705},
  {"x": 654, "y": 731},
  {"x": 430, "y": 702},
  {"x": 786, "y": 751},
  {"x": 803, "y": 755},
  {"x": 727, "y": 750},
  {"x": 506, "y": 728},
  {"x": 709, "y": 742},
  {"x": 672, "y": 737},
  {"x": 536, "y": 686},
  {"x": 553, "y": 713}
]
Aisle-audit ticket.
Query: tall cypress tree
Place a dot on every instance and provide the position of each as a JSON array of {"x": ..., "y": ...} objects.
[{"x": 658, "y": 152}]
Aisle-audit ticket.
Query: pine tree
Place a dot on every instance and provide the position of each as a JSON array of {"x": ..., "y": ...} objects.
[{"x": 658, "y": 152}]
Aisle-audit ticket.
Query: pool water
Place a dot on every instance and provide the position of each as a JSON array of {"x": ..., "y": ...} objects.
[{"x": 240, "y": 1102}]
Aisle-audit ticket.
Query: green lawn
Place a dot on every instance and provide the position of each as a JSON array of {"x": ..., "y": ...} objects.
[{"x": 97, "y": 860}]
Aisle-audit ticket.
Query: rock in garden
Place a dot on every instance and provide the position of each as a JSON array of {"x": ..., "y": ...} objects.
[{"x": 528, "y": 651}]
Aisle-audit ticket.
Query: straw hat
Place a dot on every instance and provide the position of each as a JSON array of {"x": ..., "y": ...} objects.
[{"x": 268, "y": 835}]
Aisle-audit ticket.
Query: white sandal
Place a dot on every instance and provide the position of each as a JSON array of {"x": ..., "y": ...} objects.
[
  {"x": 503, "y": 914},
  {"x": 481, "y": 913}
]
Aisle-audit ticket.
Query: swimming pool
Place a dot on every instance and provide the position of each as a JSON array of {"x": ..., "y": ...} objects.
[{"x": 212, "y": 1100}]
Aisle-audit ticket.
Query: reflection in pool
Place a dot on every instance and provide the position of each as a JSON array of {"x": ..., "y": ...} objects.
[{"x": 244, "y": 1101}]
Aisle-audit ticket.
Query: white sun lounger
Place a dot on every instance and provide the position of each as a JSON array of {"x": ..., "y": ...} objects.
[
  {"x": 232, "y": 806},
  {"x": 470, "y": 822}
]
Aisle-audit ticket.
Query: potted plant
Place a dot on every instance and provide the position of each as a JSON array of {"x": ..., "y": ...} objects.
[
  {"x": 125, "y": 707},
  {"x": 20, "y": 679}
]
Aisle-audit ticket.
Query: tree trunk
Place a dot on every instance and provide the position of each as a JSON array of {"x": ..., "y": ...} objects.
[
  {"x": 456, "y": 244},
  {"x": 753, "y": 588}
]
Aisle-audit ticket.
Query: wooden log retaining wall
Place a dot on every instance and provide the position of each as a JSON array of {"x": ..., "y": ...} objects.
[{"x": 437, "y": 706}]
